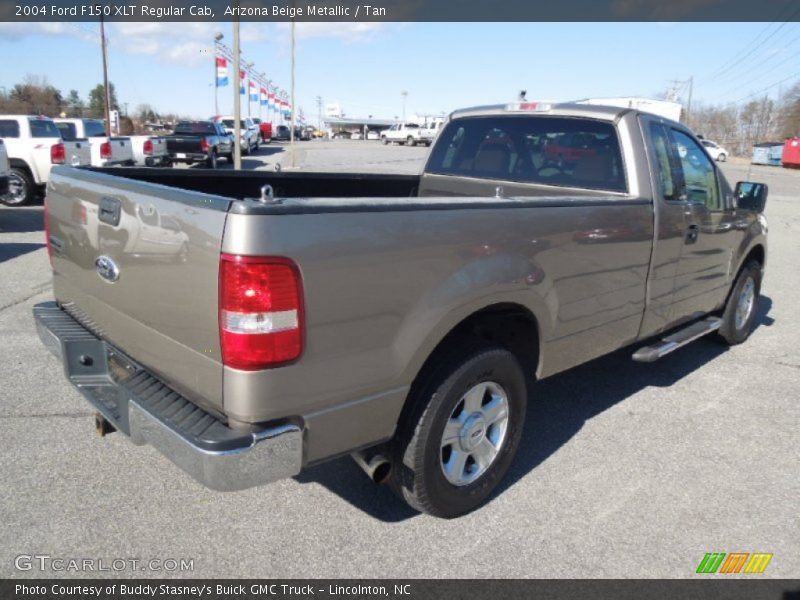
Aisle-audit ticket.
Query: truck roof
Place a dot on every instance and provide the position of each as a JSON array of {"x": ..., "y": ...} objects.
[{"x": 562, "y": 109}]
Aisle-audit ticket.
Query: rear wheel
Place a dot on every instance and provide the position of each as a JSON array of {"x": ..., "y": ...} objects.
[
  {"x": 722, "y": 157},
  {"x": 21, "y": 188},
  {"x": 741, "y": 309},
  {"x": 458, "y": 441},
  {"x": 211, "y": 161}
]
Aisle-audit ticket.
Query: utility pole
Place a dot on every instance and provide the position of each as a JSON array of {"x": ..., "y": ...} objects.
[
  {"x": 217, "y": 37},
  {"x": 105, "y": 75},
  {"x": 237, "y": 108},
  {"x": 291, "y": 131},
  {"x": 319, "y": 113},
  {"x": 404, "y": 94},
  {"x": 689, "y": 103}
]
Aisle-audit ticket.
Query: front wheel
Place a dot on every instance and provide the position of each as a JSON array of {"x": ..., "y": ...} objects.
[
  {"x": 384, "y": 141},
  {"x": 458, "y": 440},
  {"x": 741, "y": 309},
  {"x": 722, "y": 157},
  {"x": 411, "y": 141}
]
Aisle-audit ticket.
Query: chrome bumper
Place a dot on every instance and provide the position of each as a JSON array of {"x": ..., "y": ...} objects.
[{"x": 146, "y": 409}]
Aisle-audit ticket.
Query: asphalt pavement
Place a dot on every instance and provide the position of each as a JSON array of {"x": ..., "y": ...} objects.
[{"x": 625, "y": 469}]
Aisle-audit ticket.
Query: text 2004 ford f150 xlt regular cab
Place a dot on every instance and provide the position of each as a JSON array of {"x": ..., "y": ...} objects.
[{"x": 401, "y": 319}]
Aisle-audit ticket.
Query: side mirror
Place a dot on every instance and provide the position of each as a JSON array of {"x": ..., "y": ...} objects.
[{"x": 751, "y": 196}]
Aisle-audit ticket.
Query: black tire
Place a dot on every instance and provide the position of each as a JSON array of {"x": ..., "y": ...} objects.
[
  {"x": 384, "y": 141},
  {"x": 735, "y": 330},
  {"x": 417, "y": 452},
  {"x": 211, "y": 161},
  {"x": 22, "y": 189},
  {"x": 230, "y": 158},
  {"x": 410, "y": 141},
  {"x": 722, "y": 157}
]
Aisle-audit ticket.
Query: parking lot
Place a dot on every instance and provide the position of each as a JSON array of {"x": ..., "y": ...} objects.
[{"x": 625, "y": 469}]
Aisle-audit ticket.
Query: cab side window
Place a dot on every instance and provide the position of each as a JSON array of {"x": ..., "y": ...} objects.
[
  {"x": 663, "y": 166},
  {"x": 699, "y": 174}
]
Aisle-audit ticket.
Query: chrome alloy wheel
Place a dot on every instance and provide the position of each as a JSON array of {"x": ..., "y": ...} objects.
[
  {"x": 745, "y": 304},
  {"x": 474, "y": 433},
  {"x": 17, "y": 189}
]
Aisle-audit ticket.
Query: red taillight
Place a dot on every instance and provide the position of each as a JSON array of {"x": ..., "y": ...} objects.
[
  {"x": 260, "y": 311},
  {"x": 148, "y": 147},
  {"x": 58, "y": 154},
  {"x": 105, "y": 150},
  {"x": 204, "y": 144},
  {"x": 47, "y": 231}
]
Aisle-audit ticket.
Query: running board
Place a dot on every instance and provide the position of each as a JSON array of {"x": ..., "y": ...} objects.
[{"x": 677, "y": 340}]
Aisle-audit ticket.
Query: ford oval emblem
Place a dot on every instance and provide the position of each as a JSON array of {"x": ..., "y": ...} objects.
[{"x": 107, "y": 268}]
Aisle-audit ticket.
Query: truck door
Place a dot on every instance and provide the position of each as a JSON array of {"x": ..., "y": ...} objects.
[
  {"x": 713, "y": 231},
  {"x": 669, "y": 227}
]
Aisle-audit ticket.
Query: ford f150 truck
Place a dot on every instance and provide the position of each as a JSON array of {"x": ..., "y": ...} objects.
[
  {"x": 107, "y": 151},
  {"x": 199, "y": 142},
  {"x": 401, "y": 319},
  {"x": 34, "y": 145}
]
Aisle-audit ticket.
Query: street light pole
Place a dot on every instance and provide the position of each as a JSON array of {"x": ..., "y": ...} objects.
[
  {"x": 291, "y": 132},
  {"x": 404, "y": 94}
]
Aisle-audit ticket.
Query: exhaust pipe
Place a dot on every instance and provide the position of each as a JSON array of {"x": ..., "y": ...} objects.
[
  {"x": 102, "y": 426},
  {"x": 376, "y": 466}
]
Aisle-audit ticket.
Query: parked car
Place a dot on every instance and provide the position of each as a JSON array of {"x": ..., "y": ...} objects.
[
  {"x": 107, "y": 151},
  {"x": 265, "y": 129},
  {"x": 34, "y": 144},
  {"x": 342, "y": 135},
  {"x": 250, "y": 136},
  {"x": 404, "y": 133},
  {"x": 302, "y": 134},
  {"x": 402, "y": 318},
  {"x": 5, "y": 169},
  {"x": 373, "y": 135},
  {"x": 282, "y": 133},
  {"x": 200, "y": 142},
  {"x": 715, "y": 151},
  {"x": 150, "y": 151},
  {"x": 356, "y": 135}
]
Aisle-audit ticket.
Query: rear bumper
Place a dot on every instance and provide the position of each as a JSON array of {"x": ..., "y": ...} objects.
[
  {"x": 147, "y": 410},
  {"x": 157, "y": 161},
  {"x": 188, "y": 157}
]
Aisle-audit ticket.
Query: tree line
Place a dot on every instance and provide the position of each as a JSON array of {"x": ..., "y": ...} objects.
[
  {"x": 36, "y": 96},
  {"x": 738, "y": 126}
]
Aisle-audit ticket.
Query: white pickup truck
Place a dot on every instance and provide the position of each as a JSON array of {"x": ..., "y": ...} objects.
[
  {"x": 107, "y": 151},
  {"x": 150, "y": 151},
  {"x": 34, "y": 145},
  {"x": 5, "y": 169},
  {"x": 404, "y": 133}
]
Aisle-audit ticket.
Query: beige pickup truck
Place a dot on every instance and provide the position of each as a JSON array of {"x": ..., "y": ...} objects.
[{"x": 264, "y": 322}]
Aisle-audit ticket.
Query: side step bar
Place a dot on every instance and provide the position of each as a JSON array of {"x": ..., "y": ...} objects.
[{"x": 677, "y": 340}]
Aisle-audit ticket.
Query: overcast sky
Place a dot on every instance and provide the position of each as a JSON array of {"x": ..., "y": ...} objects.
[{"x": 442, "y": 66}]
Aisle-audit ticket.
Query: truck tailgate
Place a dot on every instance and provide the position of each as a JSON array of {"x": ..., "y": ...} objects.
[
  {"x": 137, "y": 263},
  {"x": 183, "y": 144}
]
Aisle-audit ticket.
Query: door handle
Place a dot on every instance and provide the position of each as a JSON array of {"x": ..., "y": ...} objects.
[{"x": 691, "y": 234}]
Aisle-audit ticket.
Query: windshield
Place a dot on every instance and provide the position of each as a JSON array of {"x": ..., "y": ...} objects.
[{"x": 229, "y": 123}]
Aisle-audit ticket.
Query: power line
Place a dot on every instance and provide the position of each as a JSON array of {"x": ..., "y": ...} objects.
[
  {"x": 791, "y": 57},
  {"x": 769, "y": 87}
]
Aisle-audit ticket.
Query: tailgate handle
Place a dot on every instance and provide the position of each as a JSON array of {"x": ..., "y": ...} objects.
[{"x": 110, "y": 209}]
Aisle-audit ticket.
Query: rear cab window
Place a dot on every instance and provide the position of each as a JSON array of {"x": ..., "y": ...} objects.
[
  {"x": 68, "y": 131},
  {"x": 94, "y": 128},
  {"x": 195, "y": 128},
  {"x": 546, "y": 150},
  {"x": 9, "y": 128},
  {"x": 43, "y": 128}
]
